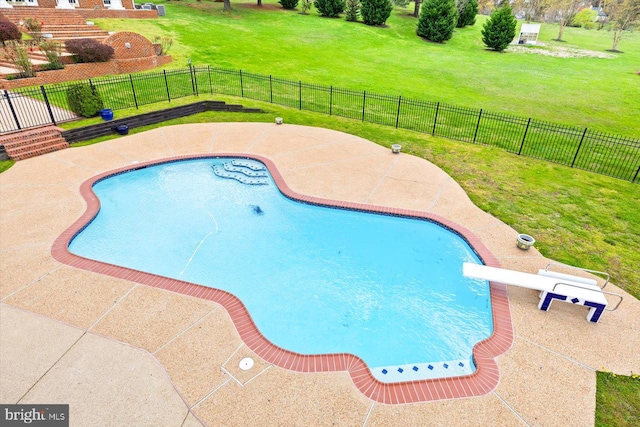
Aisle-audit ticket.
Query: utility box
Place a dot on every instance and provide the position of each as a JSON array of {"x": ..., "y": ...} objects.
[{"x": 161, "y": 11}]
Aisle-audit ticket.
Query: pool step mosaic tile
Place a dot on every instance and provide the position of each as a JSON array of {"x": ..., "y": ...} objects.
[
  {"x": 243, "y": 172},
  {"x": 423, "y": 371}
]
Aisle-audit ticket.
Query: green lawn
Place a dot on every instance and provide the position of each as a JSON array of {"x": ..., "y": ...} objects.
[{"x": 588, "y": 92}]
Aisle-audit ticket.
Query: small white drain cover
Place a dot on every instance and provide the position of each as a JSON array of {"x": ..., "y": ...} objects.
[{"x": 246, "y": 364}]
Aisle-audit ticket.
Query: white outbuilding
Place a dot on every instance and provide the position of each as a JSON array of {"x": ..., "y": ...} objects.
[{"x": 529, "y": 34}]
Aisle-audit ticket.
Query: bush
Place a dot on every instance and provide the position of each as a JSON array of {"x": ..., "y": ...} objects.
[
  {"x": 89, "y": 50},
  {"x": 306, "y": 5},
  {"x": 9, "y": 31},
  {"x": 16, "y": 53},
  {"x": 375, "y": 12},
  {"x": 52, "y": 51},
  {"x": 289, "y": 4},
  {"x": 352, "y": 10},
  {"x": 467, "y": 13},
  {"x": 586, "y": 19},
  {"x": 330, "y": 8},
  {"x": 34, "y": 28},
  {"x": 84, "y": 100},
  {"x": 438, "y": 19},
  {"x": 500, "y": 29}
]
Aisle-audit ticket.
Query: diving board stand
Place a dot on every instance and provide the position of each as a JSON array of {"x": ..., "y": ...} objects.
[{"x": 552, "y": 286}]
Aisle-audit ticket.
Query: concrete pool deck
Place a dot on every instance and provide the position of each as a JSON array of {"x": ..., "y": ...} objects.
[{"x": 122, "y": 353}]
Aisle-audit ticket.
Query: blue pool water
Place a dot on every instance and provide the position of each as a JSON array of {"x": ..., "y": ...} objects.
[{"x": 314, "y": 279}]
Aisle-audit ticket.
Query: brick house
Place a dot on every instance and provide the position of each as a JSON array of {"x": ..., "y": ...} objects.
[{"x": 70, "y": 4}]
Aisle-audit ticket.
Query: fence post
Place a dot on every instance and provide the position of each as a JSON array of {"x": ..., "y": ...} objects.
[
  {"x": 524, "y": 136},
  {"x": 193, "y": 85},
  {"x": 270, "y": 89},
  {"x": 330, "y": 99},
  {"x": 166, "y": 84},
  {"x": 435, "y": 119},
  {"x": 300, "y": 94},
  {"x": 46, "y": 101},
  {"x": 364, "y": 101},
  {"x": 241, "y": 85},
  {"x": 133, "y": 90},
  {"x": 636, "y": 175},
  {"x": 477, "y": 126},
  {"x": 579, "y": 145},
  {"x": 195, "y": 79},
  {"x": 398, "y": 113},
  {"x": 13, "y": 112},
  {"x": 209, "y": 75}
]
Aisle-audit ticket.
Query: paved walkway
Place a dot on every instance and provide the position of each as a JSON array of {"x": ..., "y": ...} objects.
[{"x": 122, "y": 353}]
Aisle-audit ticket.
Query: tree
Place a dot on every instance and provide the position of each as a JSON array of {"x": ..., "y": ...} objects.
[
  {"x": 288, "y": 4},
  {"x": 623, "y": 16},
  {"x": 330, "y": 8},
  {"x": 467, "y": 11},
  {"x": 534, "y": 10},
  {"x": 352, "y": 10},
  {"x": 562, "y": 12},
  {"x": 306, "y": 5},
  {"x": 437, "y": 20},
  {"x": 375, "y": 12},
  {"x": 416, "y": 8},
  {"x": 500, "y": 29},
  {"x": 227, "y": 5},
  {"x": 9, "y": 31}
]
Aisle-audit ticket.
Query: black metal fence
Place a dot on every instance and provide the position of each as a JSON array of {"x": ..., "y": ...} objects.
[{"x": 581, "y": 148}]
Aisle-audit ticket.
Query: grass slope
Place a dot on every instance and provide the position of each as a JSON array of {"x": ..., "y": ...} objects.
[{"x": 588, "y": 92}]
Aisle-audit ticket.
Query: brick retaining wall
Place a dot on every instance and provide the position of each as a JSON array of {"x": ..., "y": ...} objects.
[{"x": 86, "y": 71}]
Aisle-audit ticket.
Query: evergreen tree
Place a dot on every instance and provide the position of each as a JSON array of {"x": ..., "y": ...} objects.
[
  {"x": 330, "y": 8},
  {"x": 375, "y": 12},
  {"x": 437, "y": 20},
  {"x": 467, "y": 14},
  {"x": 500, "y": 29},
  {"x": 352, "y": 10},
  {"x": 289, "y": 4}
]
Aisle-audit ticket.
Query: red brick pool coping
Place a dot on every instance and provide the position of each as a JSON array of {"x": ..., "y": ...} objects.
[{"x": 482, "y": 381}]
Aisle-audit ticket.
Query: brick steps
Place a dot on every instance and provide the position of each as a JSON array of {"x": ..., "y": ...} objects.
[
  {"x": 62, "y": 24},
  {"x": 33, "y": 142}
]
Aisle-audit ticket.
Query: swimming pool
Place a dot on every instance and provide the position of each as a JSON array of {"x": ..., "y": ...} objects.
[{"x": 315, "y": 280}]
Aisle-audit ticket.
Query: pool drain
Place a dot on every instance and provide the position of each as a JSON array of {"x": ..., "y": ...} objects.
[{"x": 246, "y": 364}]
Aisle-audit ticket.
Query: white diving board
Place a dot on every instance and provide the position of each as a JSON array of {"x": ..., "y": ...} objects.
[{"x": 552, "y": 285}]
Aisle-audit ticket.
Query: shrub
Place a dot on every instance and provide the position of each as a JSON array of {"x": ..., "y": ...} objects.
[
  {"x": 306, "y": 5},
  {"x": 89, "y": 50},
  {"x": 288, "y": 4},
  {"x": 9, "y": 31},
  {"x": 16, "y": 53},
  {"x": 165, "y": 44},
  {"x": 84, "y": 100},
  {"x": 51, "y": 50},
  {"x": 586, "y": 19},
  {"x": 34, "y": 28},
  {"x": 500, "y": 29},
  {"x": 330, "y": 8},
  {"x": 375, "y": 12},
  {"x": 352, "y": 10},
  {"x": 467, "y": 13},
  {"x": 437, "y": 20}
]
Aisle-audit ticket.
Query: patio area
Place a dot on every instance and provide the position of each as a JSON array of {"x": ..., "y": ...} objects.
[{"x": 123, "y": 353}]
